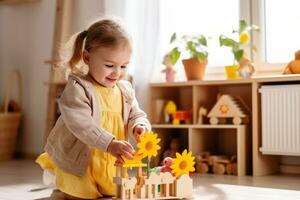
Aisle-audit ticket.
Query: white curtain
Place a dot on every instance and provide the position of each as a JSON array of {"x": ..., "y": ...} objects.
[{"x": 142, "y": 19}]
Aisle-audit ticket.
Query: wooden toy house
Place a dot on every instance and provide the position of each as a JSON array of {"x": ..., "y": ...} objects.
[{"x": 229, "y": 106}]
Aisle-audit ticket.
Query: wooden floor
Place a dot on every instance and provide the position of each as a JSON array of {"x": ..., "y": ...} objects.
[{"x": 21, "y": 180}]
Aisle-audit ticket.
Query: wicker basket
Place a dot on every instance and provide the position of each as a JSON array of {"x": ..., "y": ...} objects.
[{"x": 9, "y": 121}]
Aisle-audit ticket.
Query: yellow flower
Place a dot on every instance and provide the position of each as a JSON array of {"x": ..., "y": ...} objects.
[
  {"x": 183, "y": 164},
  {"x": 244, "y": 37},
  {"x": 135, "y": 162},
  {"x": 148, "y": 144}
]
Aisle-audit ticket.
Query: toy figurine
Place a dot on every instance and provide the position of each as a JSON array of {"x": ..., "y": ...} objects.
[
  {"x": 293, "y": 67},
  {"x": 176, "y": 116},
  {"x": 170, "y": 108},
  {"x": 246, "y": 68},
  {"x": 168, "y": 161},
  {"x": 170, "y": 72}
]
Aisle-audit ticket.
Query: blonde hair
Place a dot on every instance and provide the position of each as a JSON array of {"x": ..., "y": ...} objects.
[{"x": 106, "y": 32}]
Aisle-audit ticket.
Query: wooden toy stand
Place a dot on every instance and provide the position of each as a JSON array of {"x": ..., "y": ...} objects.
[{"x": 155, "y": 186}]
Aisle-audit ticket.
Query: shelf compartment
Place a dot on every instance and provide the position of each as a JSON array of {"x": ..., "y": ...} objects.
[
  {"x": 223, "y": 140},
  {"x": 165, "y": 135},
  {"x": 182, "y": 97},
  {"x": 206, "y": 96}
]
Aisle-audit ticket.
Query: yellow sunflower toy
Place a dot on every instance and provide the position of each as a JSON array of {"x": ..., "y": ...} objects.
[{"x": 183, "y": 164}]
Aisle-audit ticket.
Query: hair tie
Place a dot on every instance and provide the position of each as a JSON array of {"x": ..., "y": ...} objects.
[{"x": 84, "y": 33}]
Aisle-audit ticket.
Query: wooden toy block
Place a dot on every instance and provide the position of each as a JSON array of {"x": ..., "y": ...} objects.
[
  {"x": 184, "y": 187},
  {"x": 231, "y": 168},
  {"x": 171, "y": 188},
  {"x": 202, "y": 166},
  {"x": 177, "y": 116},
  {"x": 182, "y": 115},
  {"x": 229, "y": 106},
  {"x": 225, "y": 165},
  {"x": 214, "y": 158},
  {"x": 167, "y": 181},
  {"x": 219, "y": 166}
]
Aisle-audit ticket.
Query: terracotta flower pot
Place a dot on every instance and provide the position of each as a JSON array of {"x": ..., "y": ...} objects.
[{"x": 194, "y": 70}]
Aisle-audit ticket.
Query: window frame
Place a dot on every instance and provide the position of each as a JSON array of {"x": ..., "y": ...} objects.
[
  {"x": 244, "y": 13},
  {"x": 253, "y": 11},
  {"x": 258, "y": 39}
]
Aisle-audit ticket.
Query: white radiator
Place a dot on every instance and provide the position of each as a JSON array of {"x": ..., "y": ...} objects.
[{"x": 280, "y": 109}]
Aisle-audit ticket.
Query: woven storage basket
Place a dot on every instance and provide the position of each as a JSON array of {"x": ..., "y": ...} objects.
[{"x": 9, "y": 121}]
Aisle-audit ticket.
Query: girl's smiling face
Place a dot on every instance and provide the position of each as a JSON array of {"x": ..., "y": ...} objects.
[{"x": 107, "y": 65}]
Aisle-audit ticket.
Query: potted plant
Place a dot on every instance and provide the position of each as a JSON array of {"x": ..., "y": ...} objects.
[
  {"x": 241, "y": 62},
  {"x": 195, "y": 46}
]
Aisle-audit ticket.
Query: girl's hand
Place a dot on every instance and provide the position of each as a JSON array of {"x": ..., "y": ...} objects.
[
  {"x": 118, "y": 148},
  {"x": 138, "y": 131}
]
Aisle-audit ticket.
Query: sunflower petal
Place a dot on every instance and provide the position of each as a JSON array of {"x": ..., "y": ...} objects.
[{"x": 184, "y": 153}]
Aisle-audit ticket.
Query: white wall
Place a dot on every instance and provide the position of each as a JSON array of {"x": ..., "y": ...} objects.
[
  {"x": 26, "y": 39},
  {"x": 85, "y": 13},
  {"x": 26, "y": 42}
]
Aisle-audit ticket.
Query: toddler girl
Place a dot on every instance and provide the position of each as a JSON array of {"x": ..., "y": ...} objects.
[{"x": 98, "y": 112}]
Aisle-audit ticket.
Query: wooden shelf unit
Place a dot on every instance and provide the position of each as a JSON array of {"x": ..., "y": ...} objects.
[
  {"x": 219, "y": 138},
  {"x": 225, "y": 139}
]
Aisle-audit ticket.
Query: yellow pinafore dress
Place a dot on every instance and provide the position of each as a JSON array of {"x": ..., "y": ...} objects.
[{"x": 98, "y": 180}]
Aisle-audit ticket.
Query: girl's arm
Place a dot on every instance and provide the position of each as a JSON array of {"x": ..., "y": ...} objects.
[
  {"x": 76, "y": 112},
  {"x": 137, "y": 116}
]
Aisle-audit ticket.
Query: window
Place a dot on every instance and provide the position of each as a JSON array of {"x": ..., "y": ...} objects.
[
  {"x": 282, "y": 20},
  {"x": 276, "y": 42},
  {"x": 210, "y": 18},
  {"x": 280, "y": 30}
]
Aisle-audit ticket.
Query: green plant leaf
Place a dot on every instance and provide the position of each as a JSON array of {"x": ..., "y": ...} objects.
[
  {"x": 173, "y": 38},
  {"x": 201, "y": 56},
  {"x": 174, "y": 55},
  {"x": 243, "y": 25},
  {"x": 191, "y": 48},
  {"x": 202, "y": 40},
  {"x": 192, "y": 44},
  {"x": 238, "y": 54},
  {"x": 228, "y": 42}
]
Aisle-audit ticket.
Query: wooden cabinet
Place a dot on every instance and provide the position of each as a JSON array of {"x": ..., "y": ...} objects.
[{"x": 242, "y": 140}]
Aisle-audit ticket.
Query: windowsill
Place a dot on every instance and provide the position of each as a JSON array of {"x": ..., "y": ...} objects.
[
  {"x": 267, "y": 70},
  {"x": 218, "y": 73}
]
